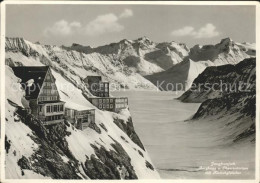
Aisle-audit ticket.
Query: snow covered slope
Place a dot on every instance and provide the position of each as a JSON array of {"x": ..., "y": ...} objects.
[
  {"x": 141, "y": 55},
  {"x": 225, "y": 52},
  {"x": 216, "y": 81},
  {"x": 75, "y": 66},
  {"x": 179, "y": 77},
  {"x": 200, "y": 57},
  {"x": 228, "y": 96},
  {"x": 108, "y": 149}
]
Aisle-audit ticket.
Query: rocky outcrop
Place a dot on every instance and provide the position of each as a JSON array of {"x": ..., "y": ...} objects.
[
  {"x": 142, "y": 54},
  {"x": 128, "y": 128},
  {"x": 110, "y": 164},
  {"x": 228, "y": 96},
  {"x": 225, "y": 52},
  {"x": 52, "y": 144},
  {"x": 48, "y": 160},
  {"x": 216, "y": 81},
  {"x": 236, "y": 111},
  {"x": 181, "y": 75},
  {"x": 76, "y": 65},
  {"x": 63, "y": 152}
]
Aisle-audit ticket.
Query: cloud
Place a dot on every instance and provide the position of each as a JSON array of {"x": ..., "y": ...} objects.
[
  {"x": 62, "y": 28},
  {"x": 126, "y": 13},
  {"x": 185, "y": 31},
  {"x": 102, "y": 24},
  {"x": 206, "y": 31}
]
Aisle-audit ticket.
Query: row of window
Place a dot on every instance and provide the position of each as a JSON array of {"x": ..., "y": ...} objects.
[
  {"x": 48, "y": 98},
  {"x": 106, "y": 106},
  {"x": 47, "y": 84},
  {"x": 49, "y": 91},
  {"x": 103, "y": 94},
  {"x": 120, "y": 105},
  {"x": 105, "y": 100},
  {"x": 121, "y": 100},
  {"x": 54, "y": 108},
  {"x": 52, "y": 118}
]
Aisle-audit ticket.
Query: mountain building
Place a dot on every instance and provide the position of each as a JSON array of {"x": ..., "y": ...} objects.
[
  {"x": 101, "y": 98},
  {"x": 42, "y": 94},
  {"x": 96, "y": 86},
  {"x": 80, "y": 118},
  {"x": 114, "y": 104}
]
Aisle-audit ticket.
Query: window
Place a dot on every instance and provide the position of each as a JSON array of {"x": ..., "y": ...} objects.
[
  {"x": 100, "y": 100},
  {"x": 104, "y": 106},
  {"x": 61, "y": 107},
  {"x": 40, "y": 108},
  {"x": 100, "y": 106},
  {"x": 48, "y": 109},
  {"x": 104, "y": 100},
  {"x": 107, "y": 100},
  {"x": 111, "y": 106},
  {"x": 111, "y": 100},
  {"x": 55, "y": 108}
]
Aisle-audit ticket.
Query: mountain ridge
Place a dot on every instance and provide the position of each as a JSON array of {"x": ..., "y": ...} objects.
[{"x": 225, "y": 52}]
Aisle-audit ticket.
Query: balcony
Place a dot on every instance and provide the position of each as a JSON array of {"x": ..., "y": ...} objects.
[
  {"x": 54, "y": 113},
  {"x": 53, "y": 122}
]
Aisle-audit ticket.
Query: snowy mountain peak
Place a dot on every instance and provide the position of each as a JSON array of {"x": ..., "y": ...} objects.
[
  {"x": 144, "y": 39},
  {"x": 226, "y": 40}
]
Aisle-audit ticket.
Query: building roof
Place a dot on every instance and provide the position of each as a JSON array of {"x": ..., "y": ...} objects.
[
  {"x": 35, "y": 74},
  {"x": 51, "y": 102},
  {"x": 99, "y": 77},
  {"x": 91, "y": 79},
  {"x": 78, "y": 107}
]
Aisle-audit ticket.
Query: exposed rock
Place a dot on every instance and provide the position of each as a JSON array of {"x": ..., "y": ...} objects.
[
  {"x": 24, "y": 163},
  {"x": 94, "y": 126},
  {"x": 128, "y": 128},
  {"x": 183, "y": 74},
  {"x": 47, "y": 159},
  {"x": 103, "y": 126},
  {"x": 149, "y": 165},
  {"x": 228, "y": 96},
  {"x": 105, "y": 166},
  {"x": 217, "y": 81},
  {"x": 7, "y": 145}
]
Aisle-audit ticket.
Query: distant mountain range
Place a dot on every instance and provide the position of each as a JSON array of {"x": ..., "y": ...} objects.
[
  {"x": 108, "y": 148},
  {"x": 132, "y": 64},
  {"x": 228, "y": 97},
  {"x": 200, "y": 57}
]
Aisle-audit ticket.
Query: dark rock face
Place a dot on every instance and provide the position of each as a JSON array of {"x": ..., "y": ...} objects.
[
  {"x": 220, "y": 80},
  {"x": 109, "y": 164},
  {"x": 228, "y": 103},
  {"x": 94, "y": 126},
  {"x": 103, "y": 126},
  {"x": 234, "y": 102},
  {"x": 48, "y": 159},
  {"x": 24, "y": 163},
  {"x": 52, "y": 144},
  {"x": 128, "y": 128},
  {"x": 149, "y": 165},
  {"x": 239, "y": 106},
  {"x": 7, "y": 145}
]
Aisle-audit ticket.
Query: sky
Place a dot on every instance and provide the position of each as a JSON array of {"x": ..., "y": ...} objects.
[{"x": 96, "y": 25}]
